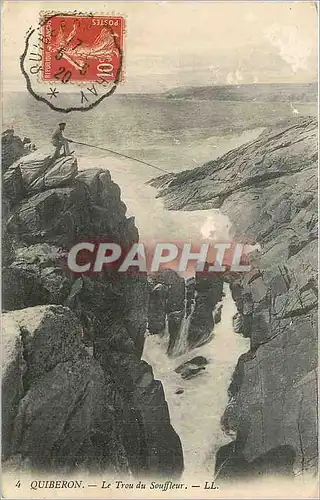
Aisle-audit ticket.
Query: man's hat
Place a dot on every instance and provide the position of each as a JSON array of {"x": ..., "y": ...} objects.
[{"x": 62, "y": 123}]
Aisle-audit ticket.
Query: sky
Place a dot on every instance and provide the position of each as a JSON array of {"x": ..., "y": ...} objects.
[{"x": 180, "y": 43}]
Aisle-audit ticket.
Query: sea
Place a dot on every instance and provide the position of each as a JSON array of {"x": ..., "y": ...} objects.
[{"x": 173, "y": 135}]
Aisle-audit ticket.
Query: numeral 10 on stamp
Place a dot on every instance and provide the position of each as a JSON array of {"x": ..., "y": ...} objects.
[{"x": 82, "y": 48}]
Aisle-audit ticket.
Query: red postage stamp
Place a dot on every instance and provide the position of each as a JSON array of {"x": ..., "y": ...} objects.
[{"x": 82, "y": 48}]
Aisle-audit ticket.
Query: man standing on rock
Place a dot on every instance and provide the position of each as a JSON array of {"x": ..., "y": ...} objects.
[{"x": 59, "y": 141}]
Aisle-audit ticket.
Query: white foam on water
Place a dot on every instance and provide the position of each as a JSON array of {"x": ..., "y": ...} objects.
[
  {"x": 196, "y": 413},
  {"x": 181, "y": 344}
]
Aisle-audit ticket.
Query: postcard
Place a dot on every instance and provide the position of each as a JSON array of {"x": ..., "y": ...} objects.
[{"x": 159, "y": 249}]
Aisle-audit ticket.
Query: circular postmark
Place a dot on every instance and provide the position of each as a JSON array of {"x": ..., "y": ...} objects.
[{"x": 72, "y": 61}]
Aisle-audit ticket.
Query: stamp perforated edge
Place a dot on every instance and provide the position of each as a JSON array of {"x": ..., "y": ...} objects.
[{"x": 44, "y": 15}]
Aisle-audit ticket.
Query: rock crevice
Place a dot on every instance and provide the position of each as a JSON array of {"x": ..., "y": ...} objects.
[
  {"x": 272, "y": 202},
  {"x": 76, "y": 394}
]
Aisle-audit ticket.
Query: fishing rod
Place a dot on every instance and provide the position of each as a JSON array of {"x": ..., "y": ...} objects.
[{"x": 120, "y": 154}]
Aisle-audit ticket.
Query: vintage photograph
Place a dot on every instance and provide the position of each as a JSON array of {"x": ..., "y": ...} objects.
[{"x": 159, "y": 167}]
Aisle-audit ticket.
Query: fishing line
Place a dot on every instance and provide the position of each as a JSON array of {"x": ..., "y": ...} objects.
[{"x": 121, "y": 154}]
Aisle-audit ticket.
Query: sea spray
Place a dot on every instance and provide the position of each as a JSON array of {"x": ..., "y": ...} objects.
[
  {"x": 197, "y": 409},
  {"x": 181, "y": 344}
]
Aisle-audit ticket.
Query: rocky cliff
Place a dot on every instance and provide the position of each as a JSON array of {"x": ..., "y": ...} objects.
[
  {"x": 187, "y": 308},
  {"x": 76, "y": 395},
  {"x": 268, "y": 188}
]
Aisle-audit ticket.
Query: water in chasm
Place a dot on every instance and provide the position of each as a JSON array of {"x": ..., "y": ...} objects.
[{"x": 196, "y": 412}]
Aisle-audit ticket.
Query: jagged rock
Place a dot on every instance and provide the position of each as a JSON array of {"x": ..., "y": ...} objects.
[
  {"x": 192, "y": 372},
  {"x": 52, "y": 326},
  {"x": 209, "y": 293},
  {"x": 101, "y": 188},
  {"x": 175, "y": 319},
  {"x": 128, "y": 368},
  {"x": 290, "y": 391},
  {"x": 160, "y": 450},
  {"x": 134, "y": 308},
  {"x": 166, "y": 297},
  {"x": 176, "y": 289},
  {"x": 63, "y": 412},
  {"x": 112, "y": 310},
  {"x": 190, "y": 292},
  {"x": 231, "y": 462},
  {"x": 197, "y": 361},
  {"x": 60, "y": 174},
  {"x": 107, "y": 207},
  {"x": 42, "y": 254},
  {"x": 175, "y": 306},
  {"x": 192, "y": 368},
  {"x": 166, "y": 305},
  {"x": 157, "y": 307},
  {"x": 36, "y": 276},
  {"x": 119, "y": 339},
  {"x": 12, "y": 185},
  {"x": 7, "y": 247},
  {"x": 217, "y": 313},
  {"x": 269, "y": 157},
  {"x": 237, "y": 323},
  {"x": 268, "y": 188},
  {"x": 56, "y": 216},
  {"x": 65, "y": 215},
  {"x": 70, "y": 426},
  {"x": 164, "y": 457},
  {"x": 13, "y": 370},
  {"x": 97, "y": 180},
  {"x": 6, "y": 209},
  {"x": 12, "y": 148},
  {"x": 191, "y": 324},
  {"x": 35, "y": 164},
  {"x": 67, "y": 409},
  {"x": 38, "y": 171},
  {"x": 22, "y": 288}
]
